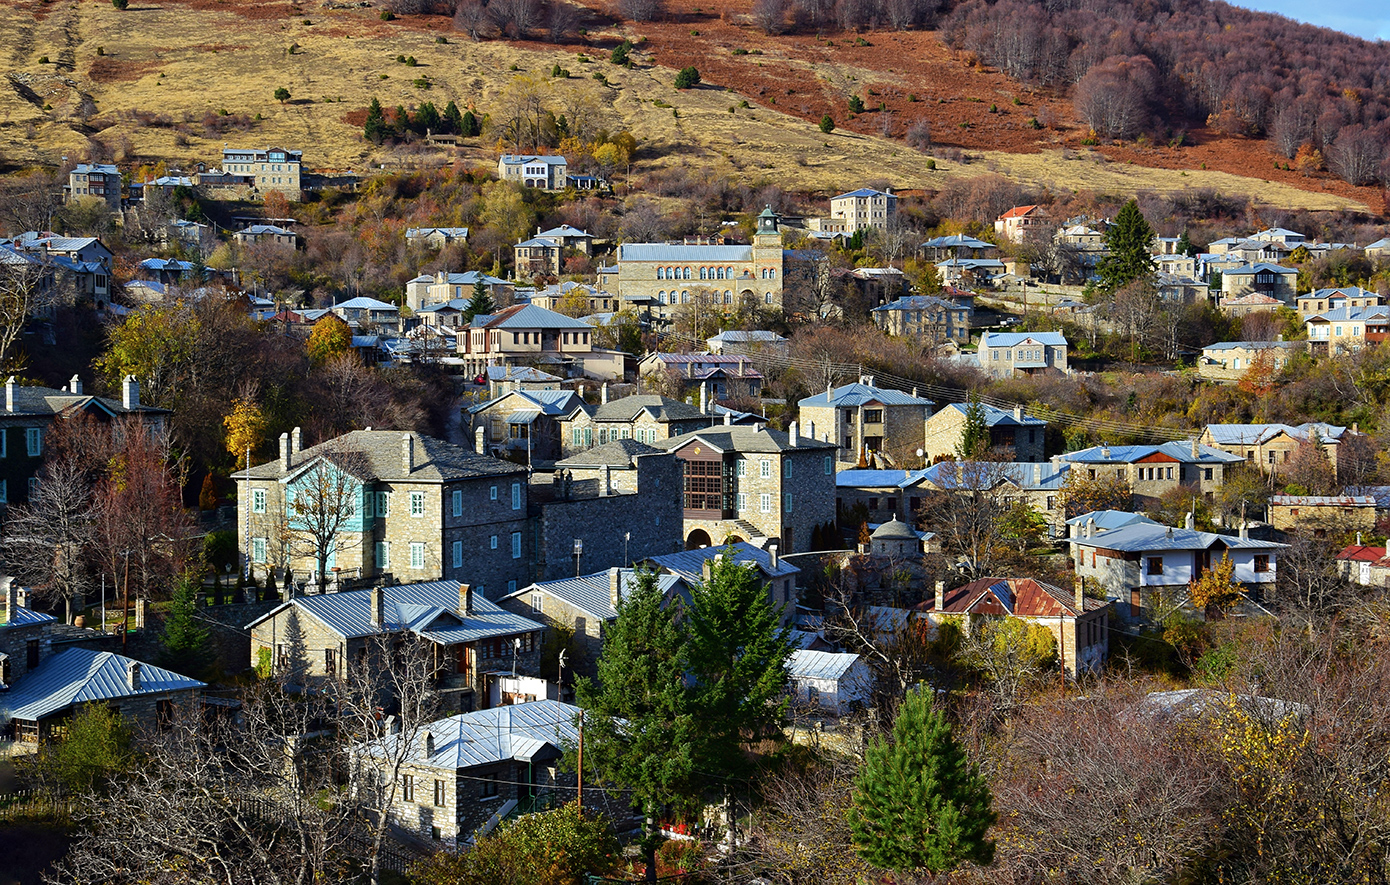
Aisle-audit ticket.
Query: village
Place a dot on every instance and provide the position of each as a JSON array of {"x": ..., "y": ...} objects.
[{"x": 811, "y": 470}]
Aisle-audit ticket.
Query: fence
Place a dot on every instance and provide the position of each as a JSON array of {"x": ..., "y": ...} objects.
[{"x": 28, "y": 804}]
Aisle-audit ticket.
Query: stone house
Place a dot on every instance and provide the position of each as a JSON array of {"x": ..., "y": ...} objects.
[
  {"x": 828, "y": 682},
  {"x": 524, "y": 424},
  {"x": 1322, "y": 514},
  {"x": 269, "y": 169},
  {"x": 414, "y": 508},
  {"x": 1270, "y": 446},
  {"x": 1379, "y": 250},
  {"x": 79, "y": 265},
  {"x": 1267, "y": 279},
  {"x": 369, "y": 313},
  {"x": 865, "y": 209},
  {"x": 1079, "y": 624},
  {"x": 973, "y": 272},
  {"x": 1021, "y": 223},
  {"x": 468, "y": 772},
  {"x": 525, "y": 334},
  {"x": 25, "y": 636},
  {"x": 584, "y": 605},
  {"x": 316, "y": 638},
  {"x": 930, "y": 319},
  {"x": 547, "y": 173},
  {"x": 266, "y": 234},
  {"x": 1363, "y": 565},
  {"x": 1153, "y": 470},
  {"x": 544, "y": 254},
  {"x": 646, "y": 418},
  {"x": 1182, "y": 289},
  {"x": 1035, "y": 483},
  {"x": 1231, "y": 360},
  {"x": 1012, "y": 429},
  {"x": 595, "y": 300},
  {"x": 1323, "y": 300},
  {"x": 100, "y": 181},
  {"x": 1010, "y": 354},
  {"x": 445, "y": 288},
  {"x": 754, "y": 484},
  {"x": 778, "y": 576},
  {"x": 30, "y": 412},
  {"x": 1247, "y": 303},
  {"x": 1141, "y": 563},
  {"x": 734, "y": 341},
  {"x": 616, "y": 462},
  {"x": 725, "y": 376},
  {"x": 1347, "y": 329},
  {"x": 436, "y": 237},
  {"x": 863, "y": 417}
]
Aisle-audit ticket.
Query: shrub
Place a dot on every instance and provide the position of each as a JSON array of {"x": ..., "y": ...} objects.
[
  {"x": 559, "y": 73},
  {"x": 687, "y": 77},
  {"x": 410, "y": 61},
  {"x": 43, "y": 59},
  {"x": 931, "y": 165},
  {"x": 827, "y": 125},
  {"x": 743, "y": 103},
  {"x": 120, "y": 4},
  {"x": 387, "y": 16},
  {"x": 101, "y": 50},
  {"x": 621, "y": 53},
  {"x": 740, "y": 51},
  {"x": 282, "y": 95},
  {"x": 441, "y": 40},
  {"x": 421, "y": 83},
  {"x": 856, "y": 104},
  {"x": 1033, "y": 123}
]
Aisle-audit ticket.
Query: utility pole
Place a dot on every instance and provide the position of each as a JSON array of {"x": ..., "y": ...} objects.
[
  {"x": 580, "y": 794},
  {"x": 125, "y": 606}
]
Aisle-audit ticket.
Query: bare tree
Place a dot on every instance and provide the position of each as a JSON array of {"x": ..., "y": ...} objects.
[
  {"x": 471, "y": 17},
  {"x": 46, "y": 542},
  {"x": 1356, "y": 155},
  {"x": 29, "y": 286},
  {"x": 561, "y": 22},
  {"x": 1309, "y": 584},
  {"x": 964, "y": 510},
  {"x": 771, "y": 15},
  {"x": 641, "y": 10},
  {"x": 327, "y": 500}
]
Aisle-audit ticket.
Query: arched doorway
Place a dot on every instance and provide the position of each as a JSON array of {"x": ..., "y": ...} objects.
[{"x": 697, "y": 540}]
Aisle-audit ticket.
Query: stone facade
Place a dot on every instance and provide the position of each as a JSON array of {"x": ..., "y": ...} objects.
[
  {"x": 1231, "y": 360},
  {"x": 1009, "y": 354},
  {"x": 270, "y": 169},
  {"x": 1023, "y": 434},
  {"x": 862, "y": 417},
  {"x": 1318, "y": 515},
  {"x": 646, "y": 419},
  {"x": 864, "y": 209}
]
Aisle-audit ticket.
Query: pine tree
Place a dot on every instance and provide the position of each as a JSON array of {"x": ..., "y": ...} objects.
[
  {"x": 469, "y": 127},
  {"x": 974, "y": 434},
  {"x": 453, "y": 120},
  {"x": 641, "y": 731},
  {"x": 218, "y": 598},
  {"x": 1185, "y": 246},
  {"x": 480, "y": 304},
  {"x": 271, "y": 591},
  {"x": 184, "y": 643},
  {"x": 374, "y": 129},
  {"x": 919, "y": 804},
  {"x": 1129, "y": 241}
]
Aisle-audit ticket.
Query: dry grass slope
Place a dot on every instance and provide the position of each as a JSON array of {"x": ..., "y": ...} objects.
[{"x": 181, "y": 63}]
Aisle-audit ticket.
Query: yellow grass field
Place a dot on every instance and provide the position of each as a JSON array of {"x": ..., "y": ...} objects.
[{"x": 181, "y": 63}]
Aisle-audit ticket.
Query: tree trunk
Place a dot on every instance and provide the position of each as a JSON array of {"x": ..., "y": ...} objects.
[{"x": 649, "y": 847}]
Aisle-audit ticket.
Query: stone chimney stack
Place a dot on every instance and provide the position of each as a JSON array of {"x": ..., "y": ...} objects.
[
  {"x": 1195, "y": 454},
  {"x": 75, "y": 385},
  {"x": 10, "y": 386},
  {"x": 407, "y": 452},
  {"x": 466, "y": 598},
  {"x": 480, "y": 440},
  {"x": 1169, "y": 533},
  {"x": 378, "y": 608},
  {"x": 607, "y": 488},
  {"x": 728, "y": 419},
  {"x": 939, "y": 602},
  {"x": 11, "y": 598},
  {"x": 772, "y": 560},
  {"x": 706, "y": 569},
  {"x": 1244, "y": 530},
  {"x": 1105, "y": 451},
  {"x": 603, "y": 394},
  {"x": 427, "y": 738},
  {"x": 615, "y": 585},
  {"x": 284, "y": 451},
  {"x": 130, "y": 393},
  {"x": 1090, "y": 528},
  {"x": 1191, "y": 522},
  {"x": 132, "y": 675},
  {"x": 704, "y": 397},
  {"x": 793, "y": 435},
  {"x": 296, "y": 441},
  {"x": 1358, "y": 539},
  {"x": 1080, "y": 596},
  {"x": 1018, "y": 414}
]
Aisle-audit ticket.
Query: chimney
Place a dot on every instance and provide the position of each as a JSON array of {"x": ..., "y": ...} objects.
[
  {"x": 1191, "y": 522},
  {"x": 704, "y": 398},
  {"x": 1037, "y": 473},
  {"x": 728, "y": 419},
  {"x": 284, "y": 451},
  {"x": 615, "y": 585},
  {"x": 1018, "y": 414},
  {"x": 706, "y": 569},
  {"x": 130, "y": 393},
  {"x": 914, "y": 393},
  {"x": 1169, "y": 533},
  {"x": 11, "y": 598},
  {"x": 565, "y": 486},
  {"x": 603, "y": 393},
  {"x": 132, "y": 675},
  {"x": 378, "y": 608},
  {"x": 1358, "y": 539},
  {"x": 407, "y": 452},
  {"x": 10, "y": 385},
  {"x": 466, "y": 598},
  {"x": 1090, "y": 528},
  {"x": 427, "y": 738},
  {"x": 939, "y": 604},
  {"x": 607, "y": 488},
  {"x": 828, "y": 392},
  {"x": 480, "y": 441},
  {"x": 1244, "y": 530},
  {"x": 772, "y": 559},
  {"x": 793, "y": 435},
  {"x": 1105, "y": 451},
  {"x": 1195, "y": 454},
  {"x": 296, "y": 441},
  {"x": 75, "y": 385},
  {"x": 1080, "y": 596},
  {"x": 689, "y": 370}
]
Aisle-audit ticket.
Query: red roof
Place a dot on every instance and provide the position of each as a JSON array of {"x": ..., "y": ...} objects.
[
  {"x": 1359, "y": 553},
  {"x": 1018, "y": 211},
  {"x": 1021, "y": 597}
]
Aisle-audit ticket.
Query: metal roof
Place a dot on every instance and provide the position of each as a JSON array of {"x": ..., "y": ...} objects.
[
  {"x": 895, "y": 529},
  {"x": 681, "y": 253},
  {"x": 78, "y": 675},
  {"x": 690, "y": 564},
  {"x": 593, "y": 593},
  {"x": 1254, "y": 345},
  {"x": 805, "y": 664},
  {"x": 1109, "y": 520},
  {"x": 24, "y": 617},
  {"x": 362, "y": 302},
  {"x": 430, "y": 609},
  {"x": 529, "y": 316},
  {"x": 875, "y": 479},
  {"x": 1012, "y": 339},
  {"x": 1178, "y": 451},
  {"x": 866, "y": 192},
  {"x": 1141, "y": 537},
  {"x": 955, "y": 240},
  {"x": 1256, "y": 434},
  {"x": 1323, "y": 501},
  {"x": 995, "y": 417},
  {"x": 863, "y": 394},
  {"x": 1261, "y": 267},
  {"x": 736, "y": 438},
  {"x": 485, "y": 737}
]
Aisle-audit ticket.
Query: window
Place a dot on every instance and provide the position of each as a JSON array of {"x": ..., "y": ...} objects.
[
  {"x": 330, "y": 661},
  {"x": 258, "y": 500},
  {"x": 383, "y": 503},
  {"x": 458, "y": 502},
  {"x": 417, "y": 503},
  {"x": 1155, "y": 565},
  {"x": 787, "y": 502},
  {"x": 787, "y": 469},
  {"x": 408, "y": 787},
  {"x": 829, "y": 465},
  {"x": 516, "y": 545},
  {"x": 1261, "y": 563},
  {"x": 765, "y": 469},
  {"x": 516, "y": 496},
  {"x": 458, "y": 554},
  {"x": 417, "y": 555},
  {"x": 765, "y": 502},
  {"x": 33, "y": 441},
  {"x": 740, "y": 467},
  {"x": 258, "y": 549},
  {"x": 1206, "y": 474},
  {"x": 494, "y": 542},
  {"x": 383, "y": 554},
  {"x": 493, "y": 493},
  {"x": 742, "y": 501},
  {"x": 873, "y": 416},
  {"x": 438, "y": 793},
  {"x": 488, "y": 788}
]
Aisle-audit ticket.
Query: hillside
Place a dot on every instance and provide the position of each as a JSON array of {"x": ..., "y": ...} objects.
[{"x": 176, "y": 80}]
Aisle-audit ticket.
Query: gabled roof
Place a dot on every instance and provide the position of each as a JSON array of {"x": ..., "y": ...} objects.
[
  {"x": 866, "y": 192},
  {"x": 620, "y": 453},
  {"x": 519, "y": 732},
  {"x": 517, "y": 159},
  {"x": 1143, "y": 537},
  {"x": 690, "y": 564},
  {"x": 1344, "y": 292},
  {"x": 270, "y": 229},
  {"x": 1254, "y": 345},
  {"x": 1252, "y": 298},
  {"x": 1029, "y": 475},
  {"x": 362, "y": 302},
  {"x": 661, "y": 409},
  {"x": 1020, "y": 597},
  {"x": 682, "y": 253},
  {"x": 435, "y": 459},
  {"x": 1109, "y": 520},
  {"x": 1382, "y": 243},
  {"x": 1322, "y": 501},
  {"x": 80, "y": 675},
  {"x": 920, "y": 302},
  {"x": 554, "y": 403},
  {"x": 804, "y": 664},
  {"x": 1358, "y": 553},
  {"x": 734, "y": 336},
  {"x": 1013, "y": 339},
  {"x": 1353, "y": 314},
  {"x": 956, "y": 241},
  {"x": 563, "y": 230},
  {"x": 592, "y": 594},
  {"x": 1261, "y": 267},
  {"x": 48, "y": 401},
  {"x": 736, "y": 438},
  {"x": 1178, "y": 451},
  {"x": 1258, "y": 434},
  {"x": 25, "y": 617},
  {"x": 1018, "y": 212},
  {"x": 997, "y": 417},
  {"x": 447, "y": 232},
  {"x": 528, "y": 316},
  {"x": 519, "y": 373},
  {"x": 430, "y": 609},
  {"x": 853, "y": 395}
]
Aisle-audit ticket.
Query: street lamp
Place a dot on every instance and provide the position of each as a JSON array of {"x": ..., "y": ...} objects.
[
  {"x": 627, "y": 536},
  {"x": 578, "y": 552}
]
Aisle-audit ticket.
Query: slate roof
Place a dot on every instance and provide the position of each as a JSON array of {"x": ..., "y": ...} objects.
[
  {"x": 1251, "y": 298},
  {"x": 592, "y": 594},
  {"x": 736, "y": 438},
  {"x": 48, "y": 401},
  {"x": 519, "y": 373},
  {"x": 1382, "y": 243},
  {"x": 895, "y": 529},
  {"x": 805, "y": 664},
  {"x": 661, "y": 408},
  {"x": 86, "y": 168},
  {"x": 435, "y": 459},
  {"x": 972, "y": 263},
  {"x": 919, "y": 302},
  {"x": 528, "y": 316},
  {"x": 540, "y": 243},
  {"x": 429, "y": 609},
  {"x": 1257, "y": 434},
  {"x": 848, "y": 395},
  {"x": 1141, "y": 537},
  {"x": 80, "y": 675},
  {"x": 486, "y": 737},
  {"x": 620, "y": 453},
  {"x": 1178, "y": 451},
  {"x": 467, "y": 278},
  {"x": 997, "y": 417},
  {"x": 690, "y": 564},
  {"x": 675, "y": 252},
  {"x": 1012, "y": 339}
]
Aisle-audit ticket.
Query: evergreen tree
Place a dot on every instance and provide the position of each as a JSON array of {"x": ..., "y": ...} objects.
[
  {"x": 375, "y": 129},
  {"x": 453, "y": 120},
  {"x": 218, "y": 598},
  {"x": 480, "y": 304},
  {"x": 1185, "y": 246},
  {"x": 640, "y": 731},
  {"x": 919, "y": 804},
  {"x": 184, "y": 643},
  {"x": 974, "y": 435},
  {"x": 738, "y": 657},
  {"x": 271, "y": 591},
  {"x": 426, "y": 119},
  {"x": 1129, "y": 241},
  {"x": 400, "y": 122},
  {"x": 469, "y": 125}
]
